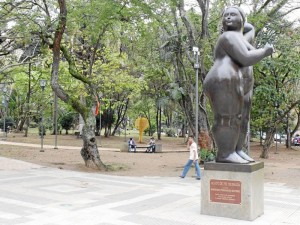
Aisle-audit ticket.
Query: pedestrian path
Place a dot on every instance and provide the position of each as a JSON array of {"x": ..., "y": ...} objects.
[
  {"x": 2, "y": 142},
  {"x": 35, "y": 195}
]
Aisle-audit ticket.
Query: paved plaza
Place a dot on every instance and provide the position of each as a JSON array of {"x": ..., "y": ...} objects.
[{"x": 34, "y": 195}]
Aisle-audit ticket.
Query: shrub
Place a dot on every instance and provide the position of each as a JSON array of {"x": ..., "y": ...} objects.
[
  {"x": 9, "y": 122},
  {"x": 66, "y": 121},
  {"x": 170, "y": 132},
  {"x": 152, "y": 131},
  {"x": 207, "y": 156}
]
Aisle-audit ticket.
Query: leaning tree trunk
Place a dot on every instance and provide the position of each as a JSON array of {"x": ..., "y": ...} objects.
[
  {"x": 25, "y": 118},
  {"x": 267, "y": 144},
  {"x": 89, "y": 151}
]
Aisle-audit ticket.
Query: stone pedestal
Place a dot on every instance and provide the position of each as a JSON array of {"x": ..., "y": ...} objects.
[
  {"x": 158, "y": 147},
  {"x": 124, "y": 147},
  {"x": 233, "y": 190}
]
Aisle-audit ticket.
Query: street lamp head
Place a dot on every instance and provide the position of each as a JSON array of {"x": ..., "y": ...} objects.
[
  {"x": 196, "y": 54},
  {"x": 43, "y": 83},
  {"x": 195, "y": 50}
]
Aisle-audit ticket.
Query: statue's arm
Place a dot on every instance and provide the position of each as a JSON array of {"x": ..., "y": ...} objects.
[
  {"x": 236, "y": 48},
  {"x": 249, "y": 46},
  {"x": 249, "y": 32}
]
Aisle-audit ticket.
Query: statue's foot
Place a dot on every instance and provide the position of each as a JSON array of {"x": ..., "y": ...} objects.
[
  {"x": 232, "y": 158},
  {"x": 244, "y": 155}
]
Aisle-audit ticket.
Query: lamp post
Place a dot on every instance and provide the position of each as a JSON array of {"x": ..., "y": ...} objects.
[
  {"x": 100, "y": 131},
  {"x": 276, "y": 115},
  {"x": 125, "y": 125},
  {"x": 196, "y": 67},
  {"x": 5, "y": 98},
  {"x": 55, "y": 121},
  {"x": 4, "y": 111},
  {"x": 42, "y": 84},
  {"x": 288, "y": 136},
  {"x": 99, "y": 99}
]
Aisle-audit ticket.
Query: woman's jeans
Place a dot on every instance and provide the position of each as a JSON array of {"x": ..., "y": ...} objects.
[{"x": 188, "y": 166}]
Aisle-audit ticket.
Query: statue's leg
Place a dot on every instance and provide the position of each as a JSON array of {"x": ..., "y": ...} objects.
[
  {"x": 226, "y": 134},
  {"x": 244, "y": 127},
  {"x": 226, "y": 93}
]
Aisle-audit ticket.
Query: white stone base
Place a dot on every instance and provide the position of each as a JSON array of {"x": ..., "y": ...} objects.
[
  {"x": 233, "y": 190},
  {"x": 158, "y": 147}
]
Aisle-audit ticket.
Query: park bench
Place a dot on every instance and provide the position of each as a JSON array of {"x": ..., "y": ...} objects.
[
  {"x": 135, "y": 149},
  {"x": 126, "y": 148}
]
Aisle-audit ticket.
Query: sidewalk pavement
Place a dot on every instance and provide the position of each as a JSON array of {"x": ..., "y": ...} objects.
[
  {"x": 2, "y": 142},
  {"x": 35, "y": 195}
]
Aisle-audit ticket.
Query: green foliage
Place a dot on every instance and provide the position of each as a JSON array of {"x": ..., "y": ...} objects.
[
  {"x": 9, "y": 122},
  {"x": 67, "y": 121},
  {"x": 170, "y": 132},
  {"x": 276, "y": 78},
  {"x": 141, "y": 54},
  {"x": 207, "y": 156},
  {"x": 107, "y": 118},
  {"x": 150, "y": 131}
]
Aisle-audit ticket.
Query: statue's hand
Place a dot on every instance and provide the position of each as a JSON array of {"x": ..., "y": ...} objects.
[{"x": 269, "y": 49}]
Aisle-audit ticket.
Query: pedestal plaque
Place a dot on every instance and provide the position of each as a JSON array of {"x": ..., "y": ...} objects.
[
  {"x": 232, "y": 190},
  {"x": 225, "y": 191}
]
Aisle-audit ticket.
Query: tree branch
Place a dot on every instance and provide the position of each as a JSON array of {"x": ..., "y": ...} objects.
[{"x": 56, "y": 60}]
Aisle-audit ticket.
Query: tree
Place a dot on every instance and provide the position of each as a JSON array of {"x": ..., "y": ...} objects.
[
  {"x": 276, "y": 81},
  {"x": 89, "y": 151},
  {"x": 67, "y": 121},
  {"x": 123, "y": 51},
  {"x": 117, "y": 86},
  {"x": 86, "y": 58},
  {"x": 107, "y": 120}
]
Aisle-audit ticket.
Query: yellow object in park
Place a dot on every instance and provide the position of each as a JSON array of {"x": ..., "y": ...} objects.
[{"x": 141, "y": 124}]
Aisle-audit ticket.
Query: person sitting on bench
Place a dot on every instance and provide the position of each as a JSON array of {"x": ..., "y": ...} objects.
[
  {"x": 151, "y": 147},
  {"x": 131, "y": 145}
]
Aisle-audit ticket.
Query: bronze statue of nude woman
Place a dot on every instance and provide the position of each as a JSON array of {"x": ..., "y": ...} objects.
[{"x": 229, "y": 83}]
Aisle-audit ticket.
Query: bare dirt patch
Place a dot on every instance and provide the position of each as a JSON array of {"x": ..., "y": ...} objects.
[{"x": 283, "y": 167}]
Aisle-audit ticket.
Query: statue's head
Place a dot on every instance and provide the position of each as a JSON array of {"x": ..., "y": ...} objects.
[{"x": 233, "y": 18}]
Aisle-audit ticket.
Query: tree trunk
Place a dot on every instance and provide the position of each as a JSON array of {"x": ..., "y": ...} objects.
[
  {"x": 158, "y": 122},
  {"x": 25, "y": 118},
  {"x": 89, "y": 151},
  {"x": 183, "y": 129},
  {"x": 205, "y": 139},
  {"x": 21, "y": 123},
  {"x": 106, "y": 131},
  {"x": 288, "y": 140},
  {"x": 187, "y": 107},
  {"x": 121, "y": 112},
  {"x": 267, "y": 144}
]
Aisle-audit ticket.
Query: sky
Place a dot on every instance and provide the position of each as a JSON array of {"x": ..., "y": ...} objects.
[{"x": 293, "y": 3}]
